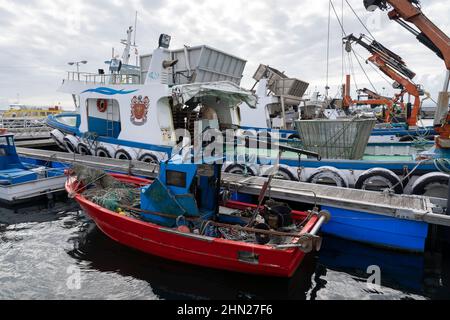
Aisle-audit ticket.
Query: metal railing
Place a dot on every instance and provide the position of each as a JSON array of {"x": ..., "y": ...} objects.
[{"x": 103, "y": 78}]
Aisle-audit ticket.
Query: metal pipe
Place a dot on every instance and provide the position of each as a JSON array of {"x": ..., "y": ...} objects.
[
  {"x": 318, "y": 225},
  {"x": 448, "y": 199},
  {"x": 283, "y": 111}
]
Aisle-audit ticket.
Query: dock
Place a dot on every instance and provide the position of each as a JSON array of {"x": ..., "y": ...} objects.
[
  {"x": 409, "y": 207},
  {"x": 36, "y": 143}
]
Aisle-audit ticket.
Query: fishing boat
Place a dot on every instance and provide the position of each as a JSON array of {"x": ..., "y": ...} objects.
[
  {"x": 22, "y": 182},
  {"x": 178, "y": 216}
]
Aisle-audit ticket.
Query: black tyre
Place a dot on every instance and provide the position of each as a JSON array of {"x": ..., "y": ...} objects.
[
  {"x": 84, "y": 150},
  {"x": 379, "y": 180},
  {"x": 240, "y": 169},
  {"x": 149, "y": 158},
  {"x": 102, "y": 153},
  {"x": 69, "y": 146},
  {"x": 432, "y": 185},
  {"x": 122, "y": 155}
]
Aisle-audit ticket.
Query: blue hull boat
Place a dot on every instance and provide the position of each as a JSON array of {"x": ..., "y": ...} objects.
[
  {"x": 21, "y": 182},
  {"x": 379, "y": 231}
]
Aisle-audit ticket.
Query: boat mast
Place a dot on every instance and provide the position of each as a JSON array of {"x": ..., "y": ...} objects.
[{"x": 127, "y": 43}]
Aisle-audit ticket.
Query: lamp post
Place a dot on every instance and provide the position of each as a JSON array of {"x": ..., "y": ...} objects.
[{"x": 77, "y": 63}]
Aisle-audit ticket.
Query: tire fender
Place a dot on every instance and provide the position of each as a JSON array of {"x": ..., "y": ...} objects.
[
  {"x": 149, "y": 157},
  {"x": 104, "y": 151},
  {"x": 420, "y": 185},
  {"x": 71, "y": 143},
  {"x": 240, "y": 169},
  {"x": 381, "y": 173},
  {"x": 331, "y": 173},
  {"x": 83, "y": 149},
  {"x": 58, "y": 137},
  {"x": 125, "y": 154},
  {"x": 283, "y": 170}
]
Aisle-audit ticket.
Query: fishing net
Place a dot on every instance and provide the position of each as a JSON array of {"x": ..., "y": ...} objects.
[
  {"x": 105, "y": 190},
  {"x": 114, "y": 199}
]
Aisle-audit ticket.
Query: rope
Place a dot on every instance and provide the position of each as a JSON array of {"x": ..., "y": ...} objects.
[
  {"x": 391, "y": 189},
  {"x": 365, "y": 73},
  {"x": 443, "y": 165},
  {"x": 359, "y": 19},
  {"x": 328, "y": 48}
]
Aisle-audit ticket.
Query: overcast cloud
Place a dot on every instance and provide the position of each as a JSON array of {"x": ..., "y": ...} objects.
[{"x": 39, "y": 37}]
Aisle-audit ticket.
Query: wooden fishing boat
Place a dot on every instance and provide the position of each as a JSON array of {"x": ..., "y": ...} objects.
[{"x": 173, "y": 223}]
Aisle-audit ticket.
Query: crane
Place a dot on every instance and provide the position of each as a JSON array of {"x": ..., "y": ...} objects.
[
  {"x": 395, "y": 68},
  {"x": 374, "y": 101},
  {"x": 407, "y": 12}
]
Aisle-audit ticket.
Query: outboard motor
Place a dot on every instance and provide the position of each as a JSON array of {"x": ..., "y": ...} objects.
[{"x": 278, "y": 215}]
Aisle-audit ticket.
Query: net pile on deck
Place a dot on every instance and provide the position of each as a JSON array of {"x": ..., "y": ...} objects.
[{"x": 105, "y": 190}]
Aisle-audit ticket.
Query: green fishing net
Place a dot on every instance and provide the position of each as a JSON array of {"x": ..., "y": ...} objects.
[{"x": 105, "y": 190}]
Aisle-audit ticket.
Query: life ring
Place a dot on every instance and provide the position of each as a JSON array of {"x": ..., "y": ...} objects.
[
  {"x": 102, "y": 105},
  {"x": 433, "y": 184},
  {"x": 328, "y": 176},
  {"x": 379, "y": 179}
]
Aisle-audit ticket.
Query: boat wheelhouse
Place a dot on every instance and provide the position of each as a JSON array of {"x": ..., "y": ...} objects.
[{"x": 134, "y": 113}]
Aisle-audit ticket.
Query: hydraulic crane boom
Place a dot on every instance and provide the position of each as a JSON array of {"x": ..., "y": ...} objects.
[
  {"x": 409, "y": 11},
  {"x": 404, "y": 11},
  {"x": 395, "y": 68}
]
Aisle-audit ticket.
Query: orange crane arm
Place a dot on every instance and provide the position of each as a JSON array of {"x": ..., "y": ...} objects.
[
  {"x": 409, "y": 10},
  {"x": 408, "y": 86},
  {"x": 430, "y": 35}
]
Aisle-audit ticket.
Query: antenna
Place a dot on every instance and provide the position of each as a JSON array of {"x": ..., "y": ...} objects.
[{"x": 135, "y": 28}]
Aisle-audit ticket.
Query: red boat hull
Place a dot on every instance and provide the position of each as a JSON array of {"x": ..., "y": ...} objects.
[{"x": 190, "y": 248}]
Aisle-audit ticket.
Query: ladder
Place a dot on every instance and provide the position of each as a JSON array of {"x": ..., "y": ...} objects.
[{"x": 110, "y": 119}]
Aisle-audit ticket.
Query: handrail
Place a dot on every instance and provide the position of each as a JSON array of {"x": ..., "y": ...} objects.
[{"x": 103, "y": 78}]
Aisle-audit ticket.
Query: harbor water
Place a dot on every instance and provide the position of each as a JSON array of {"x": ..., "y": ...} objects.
[{"x": 58, "y": 253}]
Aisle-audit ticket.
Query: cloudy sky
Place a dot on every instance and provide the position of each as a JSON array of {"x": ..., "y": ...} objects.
[{"x": 39, "y": 37}]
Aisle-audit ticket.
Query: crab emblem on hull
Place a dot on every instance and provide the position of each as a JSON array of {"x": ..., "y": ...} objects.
[{"x": 139, "y": 110}]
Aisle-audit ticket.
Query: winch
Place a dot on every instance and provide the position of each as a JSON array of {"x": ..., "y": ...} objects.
[{"x": 278, "y": 215}]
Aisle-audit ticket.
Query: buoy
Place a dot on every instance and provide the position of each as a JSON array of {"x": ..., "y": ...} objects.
[{"x": 102, "y": 105}]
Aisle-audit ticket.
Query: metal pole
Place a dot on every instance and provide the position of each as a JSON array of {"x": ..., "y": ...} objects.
[
  {"x": 283, "y": 111},
  {"x": 318, "y": 225},
  {"x": 448, "y": 199}
]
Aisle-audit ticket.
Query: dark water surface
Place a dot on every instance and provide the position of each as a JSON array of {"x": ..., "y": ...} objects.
[{"x": 41, "y": 250}]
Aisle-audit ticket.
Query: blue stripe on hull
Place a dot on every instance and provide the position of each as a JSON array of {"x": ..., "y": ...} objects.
[{"x": 377, "y": 230}]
